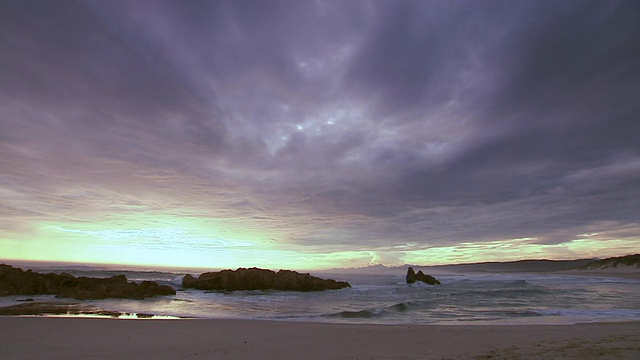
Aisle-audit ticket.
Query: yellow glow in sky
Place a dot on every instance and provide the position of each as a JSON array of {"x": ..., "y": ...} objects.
[
  {"x": 183, "y": 241},
  {"x": 169, "y": 241}
]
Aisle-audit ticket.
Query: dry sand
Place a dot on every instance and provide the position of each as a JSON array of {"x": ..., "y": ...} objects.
[{"x": 74, "y": 338}]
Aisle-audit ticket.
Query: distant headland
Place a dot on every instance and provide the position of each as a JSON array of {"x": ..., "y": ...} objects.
[{"x": 621, "y": 264}]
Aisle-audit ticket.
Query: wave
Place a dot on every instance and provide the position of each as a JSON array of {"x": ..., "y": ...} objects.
[
  {"x": 401, "y": 307},
  {"x": 501, "y": 293},
  {"x": 512, "y": 313},
  {"x": 516, "y": 289},
  {"x": 177, "y": 280},
  {"x": 362, "y": 314}
]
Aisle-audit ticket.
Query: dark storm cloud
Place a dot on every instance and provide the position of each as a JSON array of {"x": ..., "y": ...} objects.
[
  {"x": 359, "y": 124},
  {"x": 561, "y": 102},
  {"x": 414, "y": 55}
]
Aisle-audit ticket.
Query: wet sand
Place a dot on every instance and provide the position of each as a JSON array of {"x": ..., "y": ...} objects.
[{"x": 78, "y": 338}]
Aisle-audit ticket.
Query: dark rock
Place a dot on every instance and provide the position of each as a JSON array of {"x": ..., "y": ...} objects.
[
  {"x": 188, "y": 281},
  {"x": 411, "y": 276},
  {"x": 58, "y": 308},
  {"x": 14, "y": 281},
  {"x": 260, "y": 279},
  {"x": 420, "y": 276},
  {"x": 152, "y": 288}
]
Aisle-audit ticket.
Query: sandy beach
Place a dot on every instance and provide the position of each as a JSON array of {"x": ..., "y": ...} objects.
[{"x": 81, "y": 338}]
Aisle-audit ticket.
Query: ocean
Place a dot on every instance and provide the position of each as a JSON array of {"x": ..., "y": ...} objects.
[{"x": 474, "y": 298}]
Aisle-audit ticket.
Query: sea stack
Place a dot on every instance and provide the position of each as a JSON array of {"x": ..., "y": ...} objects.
[{"x": 420, "y": 276}]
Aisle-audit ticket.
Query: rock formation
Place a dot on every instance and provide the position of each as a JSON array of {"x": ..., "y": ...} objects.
[
  {"x": 44, "y": 308},
  {"x": 420, "y": 276},
  {"x": 15, "y": 281},
  {"x": 260, "y": 279},
  {"x": 189, "y": 281}
]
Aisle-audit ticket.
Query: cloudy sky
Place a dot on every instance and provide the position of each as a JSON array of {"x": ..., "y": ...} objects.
[{"x": 316, "y": 134}]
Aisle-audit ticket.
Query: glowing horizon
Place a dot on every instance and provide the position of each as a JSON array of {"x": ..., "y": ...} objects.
[{"x": 202, "y": 243}]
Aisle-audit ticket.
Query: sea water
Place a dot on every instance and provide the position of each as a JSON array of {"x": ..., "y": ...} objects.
[{"x": 481, "y": 298}]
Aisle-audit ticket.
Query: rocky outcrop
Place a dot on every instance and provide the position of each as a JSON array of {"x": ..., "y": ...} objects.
[
  {"x": 44, "y": 308},
  {"x": 64, "y": 308},
  {"x": 420, "y": 276},
  {"x": 189, "y": 281},
  {"x": 260, "y": 279},
  {"x": 15, "y": 281}
]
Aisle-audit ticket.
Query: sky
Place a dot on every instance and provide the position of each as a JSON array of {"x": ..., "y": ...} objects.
[{"x": 318, "y": 134}]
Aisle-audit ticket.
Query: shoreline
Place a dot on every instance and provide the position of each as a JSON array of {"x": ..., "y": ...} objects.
[
  {"x": 87, "y": 311},
  {"x": 54, "y": 337}
]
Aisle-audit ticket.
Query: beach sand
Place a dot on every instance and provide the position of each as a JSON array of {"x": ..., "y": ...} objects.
[{"x": 81, "y": 338}]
